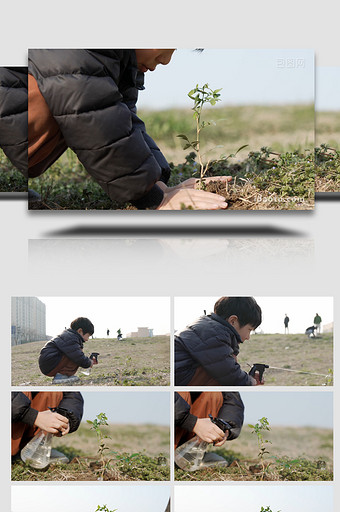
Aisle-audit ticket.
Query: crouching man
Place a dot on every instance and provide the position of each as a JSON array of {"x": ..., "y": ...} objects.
[
  {"x": 192, "y": 410},
  {"x": 31, "y": 413}
]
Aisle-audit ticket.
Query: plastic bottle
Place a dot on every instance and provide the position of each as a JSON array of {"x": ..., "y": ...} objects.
[
  {"x": 189, "y": 455},
  {"x": 37, "y": 451}
]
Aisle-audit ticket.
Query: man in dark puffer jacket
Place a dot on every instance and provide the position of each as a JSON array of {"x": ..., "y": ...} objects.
[
  {"x": 63, "y": 355},
  {"x": 191, "y": 418},
  {"x": 86, "y": 100},
  {"x": 13, "y": 115},
  {"x": 206, "y": 351},
  {"x": 30, "y": 412}
]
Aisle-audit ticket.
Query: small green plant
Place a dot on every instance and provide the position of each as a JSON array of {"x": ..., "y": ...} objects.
[
  {"x": 103, "y": 508},
  {"x": 267, "y": 509},
  {"x": 202, "y": 96},
  {"x": 258, "y": 429},
  {"x": 329, "y": 378},
  {"x": 96, "y": 424}
]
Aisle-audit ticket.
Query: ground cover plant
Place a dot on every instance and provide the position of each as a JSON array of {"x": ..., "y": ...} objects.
[
  {"x": 11, "y": 180},
  {"x": 295, "y": 454},
  {"x": 327, "y": 161},
  {"x": 274, "y": 171},
  {"x": 290, "y": 352},
  {"x": 128, "y": 362},
  {"x": 132, "y": 452}
]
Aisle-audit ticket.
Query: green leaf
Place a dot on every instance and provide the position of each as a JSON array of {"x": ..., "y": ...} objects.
[{"x": 182, "y": 136}]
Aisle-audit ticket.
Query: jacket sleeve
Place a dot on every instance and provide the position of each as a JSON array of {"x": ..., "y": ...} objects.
[
  {"x": 232, "y": 411},
  {"x": 21, "y": 409},
  {"x": 183, "y": 416},
  {"x": 73, "y": 402},
  {"x": 96, "y": 123},
  {"x": 13, "y": 116},
  {"x": 73, "y": 351},
  {"x": 216, "y": 357}
]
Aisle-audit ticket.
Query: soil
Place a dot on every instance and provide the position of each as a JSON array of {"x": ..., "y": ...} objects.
[{"x": 235, "y": 202}]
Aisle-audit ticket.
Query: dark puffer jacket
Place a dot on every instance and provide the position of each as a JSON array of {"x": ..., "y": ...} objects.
[
  {"x": 73, "y": 402},
  {"x": 68, "y": 343},
  {"x": 211, "y": 343},
  {"x": 231, "y": 411},
  {"x": 13, "y": 116},
  {"x": 92, "y": 95}
]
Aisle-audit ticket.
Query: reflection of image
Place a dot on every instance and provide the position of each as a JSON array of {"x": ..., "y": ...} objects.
[
  {"x": 206, "y": 351},
  {"x": 202, "y": 419},
  {"x": 36, "y": 417}
]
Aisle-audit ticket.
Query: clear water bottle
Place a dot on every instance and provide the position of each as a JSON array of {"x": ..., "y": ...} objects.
[
  {"x": 189, "y": 456},
  {"x": 37, "y": 451}
]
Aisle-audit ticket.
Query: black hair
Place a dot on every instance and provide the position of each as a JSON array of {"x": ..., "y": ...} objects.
[
  {"x": 246, "y": 309},
  {"x": 83, "y": 323}
]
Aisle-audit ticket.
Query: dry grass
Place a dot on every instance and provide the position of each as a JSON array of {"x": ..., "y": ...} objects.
[
  {"x": 129, "y": 362},
  {"x": 291, "y": 351}
]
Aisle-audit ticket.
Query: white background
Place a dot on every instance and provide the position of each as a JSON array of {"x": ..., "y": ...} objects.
[{"x": 210, "y": 253}]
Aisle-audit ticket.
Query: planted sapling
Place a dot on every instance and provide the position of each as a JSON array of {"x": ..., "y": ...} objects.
[
  {"x": 103, "y": 508},
  {"x": 259, "y": 428},
  {"x": 202, "y": 95},
  {"x": 267, "y": 509},
  {"x": 96, "y": 424}
]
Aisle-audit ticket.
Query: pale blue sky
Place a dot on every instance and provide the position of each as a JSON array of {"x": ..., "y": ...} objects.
[
  {"x": 29, "y": 498},
  {"x": 300, "y": 310},
  {"x": 289, "y": 408},
  {"x": 292, "y": 408},
  {"x": 133, "y": 407},
  {"x": 327, "y": 95},
  {"x": 250, "y": 498},
  {"x": 246, "y": 77},
  {"x": 125, "y": 313}
]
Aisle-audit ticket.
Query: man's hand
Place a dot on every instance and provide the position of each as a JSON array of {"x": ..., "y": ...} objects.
[
  {"x": 189, "y": 198},
  {"x": 206, "y": 430},
  {"x": 256, "y": 379},
  {"x": 52, "y": 422}
]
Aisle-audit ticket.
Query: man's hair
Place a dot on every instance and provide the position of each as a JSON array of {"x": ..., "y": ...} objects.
[
  {"x": 84, "y": 324},
  {"x": 245, "y": 308}
]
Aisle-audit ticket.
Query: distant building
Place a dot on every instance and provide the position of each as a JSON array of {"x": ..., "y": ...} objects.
[
  {"x": 28, "y": 320},
  {"x": 143, "y": 332}
]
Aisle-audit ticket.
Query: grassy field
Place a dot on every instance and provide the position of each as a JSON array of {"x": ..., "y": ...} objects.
[
  {"x": 275, "y": 171},
  {"x": 136, "y": 452},
  {"x": 292, "y": 352},
  {"x": 129, "y": 362},
  {"x": 11, "y": 180},
  {"x": 304, "y": 453}
]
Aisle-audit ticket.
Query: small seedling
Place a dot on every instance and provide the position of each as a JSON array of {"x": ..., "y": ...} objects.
[
  {"x": 202, "y": 95},
  {"x": 259, "y": 429},
  {"x": 329, "y": 378},
  {"x": 96, "y": 424},
  {"x": 103, "y": 508},
  {"x": 267, "y": 509}
]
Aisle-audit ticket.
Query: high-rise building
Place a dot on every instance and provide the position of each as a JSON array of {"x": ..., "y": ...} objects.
[{"x": 28, "y": 320}]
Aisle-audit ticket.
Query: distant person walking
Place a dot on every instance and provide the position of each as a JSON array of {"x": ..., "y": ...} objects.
[
  {"x": 317, "y": 323},
  {"x": 107, "y": 332},
  {"x": 286, "y": 322}
]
